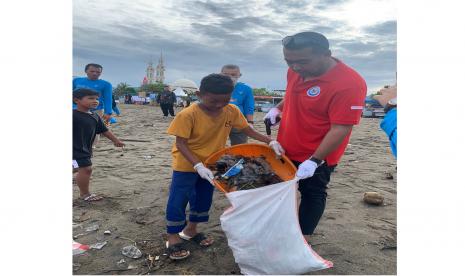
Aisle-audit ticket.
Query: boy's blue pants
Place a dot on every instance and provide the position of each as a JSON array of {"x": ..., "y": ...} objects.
[{"x": 187, "y": 187}]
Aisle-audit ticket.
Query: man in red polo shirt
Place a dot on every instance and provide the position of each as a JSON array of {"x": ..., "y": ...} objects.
[{"x": 324, "y": 100}]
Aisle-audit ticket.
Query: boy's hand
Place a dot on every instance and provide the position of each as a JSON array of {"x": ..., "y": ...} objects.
[
  {"x": 204, "y": 172},
  {"x": 118, "y": 143},
  {"x": 276, "y": 146},
  {"x": 106, "y": 117}
]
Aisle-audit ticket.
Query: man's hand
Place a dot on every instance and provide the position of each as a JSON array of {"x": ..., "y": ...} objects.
[
  {"x": 386, "y": 94},
  {"x": 118, "y": 143},
  {"x": 306, "y": 169},
  {"x": 204, "y": 172},
  {"x": 272, "y": 114},
  {"x": 276, "y": 146}
]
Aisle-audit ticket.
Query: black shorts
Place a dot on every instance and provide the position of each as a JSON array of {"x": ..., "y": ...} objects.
[{"x": 81, "y": 163}]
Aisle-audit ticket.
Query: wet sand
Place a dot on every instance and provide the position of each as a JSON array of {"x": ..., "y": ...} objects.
[{"x": 356, "y": 237}]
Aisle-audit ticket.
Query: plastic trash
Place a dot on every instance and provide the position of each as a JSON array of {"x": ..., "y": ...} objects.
[
  {"x": 263, "y": 232},
  {"x": 113, "y": 120},
  {"x": 131, "y": 251},
  {"x": 234, "y": 170},
  {"x": 98, "y": 245},
  {"x": 93, "y": 227},
  {"x": 122, "y": 261},
  {"x": 107, "y": 232},
  {"x": 79, "y": 248},
  {"x": 121, "y": 264},
  {"x": 147, "y": 157}
]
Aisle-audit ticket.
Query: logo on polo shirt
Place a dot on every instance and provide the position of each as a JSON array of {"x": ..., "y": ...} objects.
[{"x": 313, "y": 91}]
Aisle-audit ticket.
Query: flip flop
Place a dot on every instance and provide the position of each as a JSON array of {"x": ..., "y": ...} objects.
[
  {"x": 91, "y": 197},
  {"x": 175, "y": 248},
  {"x": 198, "y": 238}
]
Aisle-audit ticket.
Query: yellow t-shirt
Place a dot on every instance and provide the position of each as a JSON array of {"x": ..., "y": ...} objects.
[{"x": 205, "y": 134}]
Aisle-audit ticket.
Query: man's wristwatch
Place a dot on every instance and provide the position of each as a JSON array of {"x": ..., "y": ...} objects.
[
  {"x": 317, "y": 161},
  {"x": 392, "y": 103},
  {"x": 250, "y": 122}
]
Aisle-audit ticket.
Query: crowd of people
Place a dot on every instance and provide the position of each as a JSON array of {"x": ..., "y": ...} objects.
[{"x": 323, "y": 101}]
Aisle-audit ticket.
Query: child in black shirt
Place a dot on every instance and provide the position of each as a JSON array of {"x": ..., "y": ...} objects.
[{"x": 86, "y": 125}]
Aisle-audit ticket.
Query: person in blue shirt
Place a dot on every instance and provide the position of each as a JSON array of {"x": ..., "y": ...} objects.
[
  {"x": 388, "y": 98},
  {"x": 242, "y": 97},
  {"x": 103, "y": 87}
]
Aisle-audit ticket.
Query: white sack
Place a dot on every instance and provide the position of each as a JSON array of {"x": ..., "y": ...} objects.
[{"x": 263, "y": 231}]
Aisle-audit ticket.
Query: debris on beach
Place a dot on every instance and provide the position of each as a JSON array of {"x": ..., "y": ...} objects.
[
  {"x": 79, "y": 248},
  {"x": 121, "y": 263},
  {"x": 92, "y": 228},
  {"x": 373, "y": 198},
  {"x": 80, "y": 235},
  {"x": 131, "y": 251},
  {"x": 242, "y": 173},
  {"x": 98, "y": 245},
  {"x": 107, "y": 232},
  {"x": 81, "y": 218},
  {"x": 388, "y": 175},
  {"x": 77, "y": 225}
]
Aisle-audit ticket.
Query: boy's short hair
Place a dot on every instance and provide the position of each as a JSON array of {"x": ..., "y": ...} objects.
[
  {"x": 93, "y": 65},
  {"x": 216, "y": 84},
  {"x": 83, "y": 92}
]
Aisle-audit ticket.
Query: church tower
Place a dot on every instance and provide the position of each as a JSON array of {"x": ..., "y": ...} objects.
[
  {"x": 160, "y": 70},
  {"x": 150, "y": 73}
]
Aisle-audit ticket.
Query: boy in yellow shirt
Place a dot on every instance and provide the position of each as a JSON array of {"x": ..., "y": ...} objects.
[{"x": 201, "y": 129}]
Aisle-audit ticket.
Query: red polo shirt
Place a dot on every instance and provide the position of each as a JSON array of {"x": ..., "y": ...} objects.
[{"x": 310, "y": 107}]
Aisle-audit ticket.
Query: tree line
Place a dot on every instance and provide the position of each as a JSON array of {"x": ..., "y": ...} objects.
[{"x": 123, "y": 88}]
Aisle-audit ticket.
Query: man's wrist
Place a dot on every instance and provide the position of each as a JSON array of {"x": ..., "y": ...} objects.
[
  {"x": 391, "y": 104},
  {"x": 318, "y": 162}
]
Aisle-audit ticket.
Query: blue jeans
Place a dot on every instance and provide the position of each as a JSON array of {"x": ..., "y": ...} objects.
[
  {"x": 187, "y": 187},
  {"x": 116, "y": 109}
]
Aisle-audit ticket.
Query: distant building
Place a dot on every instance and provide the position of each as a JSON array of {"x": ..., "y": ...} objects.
[
  {"x": 150, "y": 72},
  {"x": 160, "y": 70},
  {"x": 279, "y": 92}
]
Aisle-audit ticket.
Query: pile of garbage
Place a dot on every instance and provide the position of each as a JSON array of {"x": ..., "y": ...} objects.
[{"x": 243, "y": 173}]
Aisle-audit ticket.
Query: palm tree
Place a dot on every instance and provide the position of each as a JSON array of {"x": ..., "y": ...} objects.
[{"x": 121, "y": 89}]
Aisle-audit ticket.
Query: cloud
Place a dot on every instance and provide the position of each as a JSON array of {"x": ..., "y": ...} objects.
[{"x": 198, "y": 37}]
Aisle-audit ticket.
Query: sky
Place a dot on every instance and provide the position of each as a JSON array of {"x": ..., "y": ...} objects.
[{"x": 198, "y": 37}]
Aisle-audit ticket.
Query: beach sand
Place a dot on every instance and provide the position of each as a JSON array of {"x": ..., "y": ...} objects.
[{"x": 356, "y": 237}]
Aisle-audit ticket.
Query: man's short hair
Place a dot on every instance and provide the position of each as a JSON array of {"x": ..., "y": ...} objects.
[
  {"x": 216, "y": 84},
  {"x": 93, "y": 65},
  {"x": 316, "y": 41},
  {"x": 83, "y": 92},
  {"x": 230, "y": 66}
]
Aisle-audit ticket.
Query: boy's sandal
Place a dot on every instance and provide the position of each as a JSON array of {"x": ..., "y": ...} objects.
[
  {"x": 175, "y": 251},
  {"x": 91, "y": 197},
  {"x": 199, "y": 238}
]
